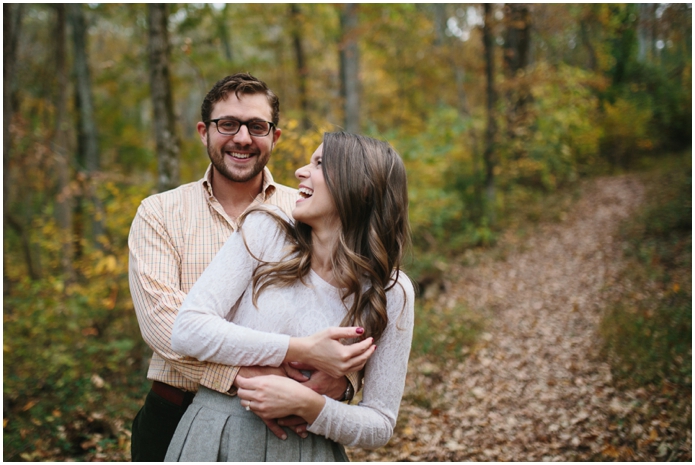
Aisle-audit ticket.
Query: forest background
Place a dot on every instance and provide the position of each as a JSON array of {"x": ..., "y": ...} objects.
[{"x": 493, "y": 107}]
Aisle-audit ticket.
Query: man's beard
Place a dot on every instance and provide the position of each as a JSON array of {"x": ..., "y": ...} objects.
[{"x": 219, "y": 164}]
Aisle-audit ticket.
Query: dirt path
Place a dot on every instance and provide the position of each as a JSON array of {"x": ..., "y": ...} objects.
[{"x": 533, "y": 389}]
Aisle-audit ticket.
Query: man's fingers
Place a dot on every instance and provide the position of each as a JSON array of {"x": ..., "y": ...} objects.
[
  {"x": 292, "y": 420},
  {"x": 244, "y": 383},
  {"x": 295, "y": 374},
  {"x": 301, "y": 432},
  {"x": 275, "y": 428},
  {"x": 302, "y": 366}
]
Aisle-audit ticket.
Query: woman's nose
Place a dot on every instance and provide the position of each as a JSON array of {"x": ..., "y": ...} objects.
[{"x": 301, "y": 173}]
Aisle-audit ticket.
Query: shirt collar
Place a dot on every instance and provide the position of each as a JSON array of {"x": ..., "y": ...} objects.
[{"x": 267, "y": 190}]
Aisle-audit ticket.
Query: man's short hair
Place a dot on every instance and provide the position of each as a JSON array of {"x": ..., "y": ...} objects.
[{"x": 240, "y": 84}]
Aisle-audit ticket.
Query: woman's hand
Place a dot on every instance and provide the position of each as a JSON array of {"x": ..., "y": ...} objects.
[
  {"x": 276, "y": 397},
  {"x": 324, "y": 351}
]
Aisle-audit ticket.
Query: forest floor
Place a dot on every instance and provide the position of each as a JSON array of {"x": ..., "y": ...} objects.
[{"x": 534, "y": 387}]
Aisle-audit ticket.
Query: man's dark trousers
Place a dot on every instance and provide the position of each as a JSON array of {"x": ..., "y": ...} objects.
[{"x": 154, "y": 426}]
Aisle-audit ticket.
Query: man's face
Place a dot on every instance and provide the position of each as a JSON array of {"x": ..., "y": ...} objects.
[{"x": 241, "y": 157}]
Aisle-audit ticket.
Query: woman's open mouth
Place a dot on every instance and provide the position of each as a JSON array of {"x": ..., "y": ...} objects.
[{"x": 305, "y": 192}]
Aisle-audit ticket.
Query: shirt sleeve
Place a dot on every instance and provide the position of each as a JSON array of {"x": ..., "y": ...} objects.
[
  {"x": 370, "y": 424},
  {"x": 155, "y": 285},
  {"x": 202, "y": 330}
]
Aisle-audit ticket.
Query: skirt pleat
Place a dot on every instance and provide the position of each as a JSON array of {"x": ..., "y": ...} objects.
[{"x": 216, "y": 427}]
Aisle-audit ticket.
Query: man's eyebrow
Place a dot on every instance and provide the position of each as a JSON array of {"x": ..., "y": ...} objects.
[{"x": 255, "y": 118}]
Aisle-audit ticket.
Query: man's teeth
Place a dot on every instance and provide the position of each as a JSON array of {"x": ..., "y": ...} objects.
[
  {"x": 305, "y": 192},
  {"x": 240, "y": 155}
]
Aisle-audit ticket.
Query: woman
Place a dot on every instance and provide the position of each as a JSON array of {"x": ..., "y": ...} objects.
[{"x": 289, "y": 290}]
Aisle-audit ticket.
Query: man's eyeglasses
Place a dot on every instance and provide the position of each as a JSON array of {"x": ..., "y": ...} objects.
[{"x": 229, "y": 127}]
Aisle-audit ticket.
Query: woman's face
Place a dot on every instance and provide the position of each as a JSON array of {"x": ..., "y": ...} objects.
[{"x": 315, "y": 206}]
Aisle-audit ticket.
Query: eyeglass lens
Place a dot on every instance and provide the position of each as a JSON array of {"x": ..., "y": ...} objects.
[{"x": 230, "y": 127}]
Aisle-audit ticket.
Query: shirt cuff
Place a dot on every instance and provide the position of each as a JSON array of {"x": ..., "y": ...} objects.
[
  {"x": 355, "y": 379},
  {"x": 219, "y": 377}
]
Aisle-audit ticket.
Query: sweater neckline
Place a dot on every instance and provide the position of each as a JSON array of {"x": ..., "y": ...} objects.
[{"x": 318, "y": 279}]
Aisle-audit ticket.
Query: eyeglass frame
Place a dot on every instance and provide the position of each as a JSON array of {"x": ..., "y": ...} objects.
[{"x": 242, "y": 123}]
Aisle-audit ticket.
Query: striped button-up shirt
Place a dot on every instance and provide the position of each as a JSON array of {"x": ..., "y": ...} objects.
[{"x": 173, "y": 238}]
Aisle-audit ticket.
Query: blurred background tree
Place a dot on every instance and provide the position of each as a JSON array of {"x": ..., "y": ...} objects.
[{"x": 491, "y": 106}]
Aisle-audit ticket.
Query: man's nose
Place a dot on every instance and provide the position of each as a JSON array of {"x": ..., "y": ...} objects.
[{"x": 243, "y": 137}]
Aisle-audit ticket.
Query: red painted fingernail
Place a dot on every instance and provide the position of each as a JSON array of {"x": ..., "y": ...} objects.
[
  {"x": 359, "y": 330},
  {"x": 374, "y": 347}
]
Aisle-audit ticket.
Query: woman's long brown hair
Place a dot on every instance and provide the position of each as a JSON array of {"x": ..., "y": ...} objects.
[{"x": 367, "y": 180}]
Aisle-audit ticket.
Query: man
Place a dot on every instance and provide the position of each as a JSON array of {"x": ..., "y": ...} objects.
[{"x": 175, "y": 235}]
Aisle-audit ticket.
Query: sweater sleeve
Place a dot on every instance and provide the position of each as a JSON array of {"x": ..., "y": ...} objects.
[
  {"x": 202, "y": 330},
  {"x": 370, "y": 424}
]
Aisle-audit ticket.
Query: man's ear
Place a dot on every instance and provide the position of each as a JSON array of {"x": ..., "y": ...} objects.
[
  {"x": 276, "y": 136},
  {"x": 202, "y": 132}
]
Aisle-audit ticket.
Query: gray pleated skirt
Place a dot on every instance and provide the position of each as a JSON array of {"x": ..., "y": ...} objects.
[{"x": 216, "y": 428}]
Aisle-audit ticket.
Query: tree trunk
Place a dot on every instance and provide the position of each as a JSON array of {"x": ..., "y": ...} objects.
[
  {"x": 11, "y": 26},
  {"x": 64, "y": 203},
  {"x": 489, "y": 154},
  {"x": 32, "y": 269},
  {"x": 224, "y": 32},
  {"x": 654, "y": 49},
  {"x": 162, "y": 98},
  {"x": 516, "y": 59},
  {"x": 12, "y": 20},
  {"x": 302, "y": 70},
  {"x": 88, "y": 134},
  {"x": 518, "y": 36},
  {"x": 349, "y": 67},
  {"x": 450, "y": 49},
  {"x": 439, "y": 23},
  {"x": 643, "y": 30},
  {"x": 625, "y": 44},
  {"x": 586, "y": 40}
]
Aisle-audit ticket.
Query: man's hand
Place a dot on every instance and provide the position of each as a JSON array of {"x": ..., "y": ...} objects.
[
  {"x": 321, "y": 382},
  {"x": 297, "y": 424}
]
